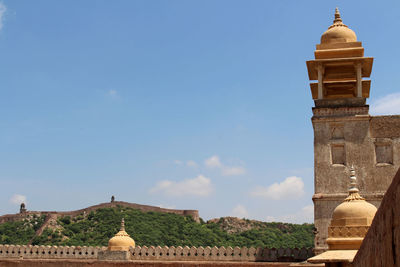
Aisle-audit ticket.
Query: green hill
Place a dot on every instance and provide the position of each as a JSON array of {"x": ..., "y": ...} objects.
[{"x": 153, "y": 228}]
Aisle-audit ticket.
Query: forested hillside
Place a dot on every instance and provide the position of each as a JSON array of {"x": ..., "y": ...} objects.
[{"x": 153, "y": 228}]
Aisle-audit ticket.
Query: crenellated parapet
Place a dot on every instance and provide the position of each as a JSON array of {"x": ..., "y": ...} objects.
[
  {"x": 49, "y": 252},
  {"x": 151, "y": 253},
  {"x": 242, "y": 254}
]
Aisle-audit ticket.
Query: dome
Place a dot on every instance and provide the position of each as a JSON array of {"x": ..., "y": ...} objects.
[
  {"x": 356, "y": 212},
  {"x": 338, "y": 32},
  {"x": 121, "y": 241},
  {"x": 350, "y": 220}
]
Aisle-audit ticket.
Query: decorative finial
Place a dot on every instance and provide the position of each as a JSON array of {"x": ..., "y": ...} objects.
[
  {"x": 353, "y": 181},
  {"x": 338, "y": 19},
  {"x": 353, "y": 190},
  {"x": 122, "y": 225}
]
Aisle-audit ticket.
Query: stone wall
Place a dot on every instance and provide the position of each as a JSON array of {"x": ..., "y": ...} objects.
[
  {"x": 381, "y": 245},
  {"x": 160, "y": 253},
  {"x": 145, "y": 208},
  {"x": 95, "y": 263},
  {"x": 371, "y": 144}
]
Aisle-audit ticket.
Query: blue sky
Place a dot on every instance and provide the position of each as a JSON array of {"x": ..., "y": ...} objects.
[{"x": 184, "y": 104}]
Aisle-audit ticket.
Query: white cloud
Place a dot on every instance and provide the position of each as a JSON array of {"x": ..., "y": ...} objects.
[
  {"x": 191, "y": 163},
  {"x": 3, "y": 10},
  {"x": 18, "y": 199},
  {"x": 232, "y": 171},
  {"x": 389, "y": 104},
  {"x": 213, "y": 162},
  {"x": 292, "y": 188},
  {"x": 198, "y": 186},
  {"x": 240, "y": 211}
]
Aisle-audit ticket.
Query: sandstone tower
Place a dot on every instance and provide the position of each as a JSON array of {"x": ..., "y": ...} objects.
[{"x": 344, "y": 132}]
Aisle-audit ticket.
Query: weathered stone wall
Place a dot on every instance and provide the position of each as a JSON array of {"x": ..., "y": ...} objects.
[
  {"x": 381, "y": 245},
  {"x": 95, "y": 263},
  {"x": 159, "y": 253},
  {"x": 145, "y": 208},
  {"x": 351, "y": 138}
]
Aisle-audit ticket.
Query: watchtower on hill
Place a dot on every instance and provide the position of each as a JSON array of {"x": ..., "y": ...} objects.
[{"x": 344, "y": 132}]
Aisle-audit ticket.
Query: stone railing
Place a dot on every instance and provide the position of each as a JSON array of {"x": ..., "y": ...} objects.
[{"x": 161, "y": 253}]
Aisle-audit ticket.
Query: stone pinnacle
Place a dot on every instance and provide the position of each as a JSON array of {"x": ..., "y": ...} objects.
[{"x": 338, "y": 19}]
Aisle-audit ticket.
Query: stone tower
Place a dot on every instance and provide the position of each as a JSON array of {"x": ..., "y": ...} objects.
[{"x": 344, "y": 132}]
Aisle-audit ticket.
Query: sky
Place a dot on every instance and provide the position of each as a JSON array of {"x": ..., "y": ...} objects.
[{"x": 180, "y": 104}]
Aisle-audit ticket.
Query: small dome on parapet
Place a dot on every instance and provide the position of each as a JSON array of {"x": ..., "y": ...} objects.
[
  {"x": 338, "y": 32},
  {"x": 121, "y": 241},
  {"x": 351, "y": 219}
]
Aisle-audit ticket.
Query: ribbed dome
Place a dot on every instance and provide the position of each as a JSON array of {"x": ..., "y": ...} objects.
[
  {"x": 121, "y": 241},
  {"x": 338, "y": 32}
]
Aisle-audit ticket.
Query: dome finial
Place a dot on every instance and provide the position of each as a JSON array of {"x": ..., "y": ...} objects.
[
  {"x": 337, "y": 22},
  {"x": 122, "y": 225},
  {"x": 353, "y": 190},
  {"x": 337, "y": 19},
  {"x": 353, "y": 181}
]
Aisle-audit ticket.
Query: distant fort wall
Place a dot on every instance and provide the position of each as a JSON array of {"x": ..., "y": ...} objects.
[{"x": 145, "y": 208}]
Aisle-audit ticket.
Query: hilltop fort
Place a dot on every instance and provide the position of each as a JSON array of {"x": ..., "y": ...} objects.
[{"x": 53, "y": 215}]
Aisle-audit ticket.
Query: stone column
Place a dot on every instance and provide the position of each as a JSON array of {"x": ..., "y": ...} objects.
[
  {"x": 320, "y": 80},
  {"x": 359, "y": 79}
]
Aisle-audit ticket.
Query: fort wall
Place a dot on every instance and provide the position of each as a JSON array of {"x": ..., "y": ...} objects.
[
  {"x": 165, "y": 254},
  {"x": 145, "y": 208},
  {"x": 95, "y": 263}
]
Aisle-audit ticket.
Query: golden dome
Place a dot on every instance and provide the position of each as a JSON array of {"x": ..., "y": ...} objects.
[
  {"x": 356, "y": 212},
  {"x": 350, "y": 220},
  {"x": 338, "y": 32},
  {"x": 121, "y": 241}
]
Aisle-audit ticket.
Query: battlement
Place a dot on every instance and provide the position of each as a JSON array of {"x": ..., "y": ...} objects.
[{"x": 158, "y": 253}]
